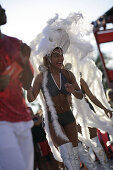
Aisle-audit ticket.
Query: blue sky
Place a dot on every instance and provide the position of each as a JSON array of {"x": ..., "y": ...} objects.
[{"x": 27, "y": 18}]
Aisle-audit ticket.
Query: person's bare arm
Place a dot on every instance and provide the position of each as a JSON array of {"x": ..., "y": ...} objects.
[
  {"x": 27, "y": 76},
  {"x": 73, "y": 87},
  {"x": 32, "y": 92},
  {"x": 92, "y": 97}
]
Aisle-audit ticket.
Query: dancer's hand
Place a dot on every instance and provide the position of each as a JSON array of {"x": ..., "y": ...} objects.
[
  {"x": 108, "y": 113},
  {"x": 69, "y": 87}
]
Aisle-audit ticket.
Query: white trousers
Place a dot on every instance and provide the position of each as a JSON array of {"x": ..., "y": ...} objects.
[{"x": 16, "y": 146}]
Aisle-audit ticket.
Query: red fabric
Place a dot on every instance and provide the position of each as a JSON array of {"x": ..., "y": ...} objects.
[
  {"x": 12, "y": 103},
  {"x": 103, "y": 138},
  {"x": 110, "y": 75},
  {"x": 45, "y": 149},
  {"x": 104, "y": 36}
]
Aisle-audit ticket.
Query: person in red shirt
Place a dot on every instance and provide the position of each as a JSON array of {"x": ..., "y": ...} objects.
[{"x": 16, "y": 147}]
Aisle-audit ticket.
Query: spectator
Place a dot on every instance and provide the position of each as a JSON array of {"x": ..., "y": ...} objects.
[
  {"x": 43, "y": 155},
  {"x": 16, "y": 147}
]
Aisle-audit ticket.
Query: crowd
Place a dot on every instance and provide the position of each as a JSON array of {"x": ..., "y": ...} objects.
[{"x": 63, "y": 132}]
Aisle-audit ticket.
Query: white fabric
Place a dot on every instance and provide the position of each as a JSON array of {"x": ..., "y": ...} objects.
[
  {"x": 70, "y": 158},
  {"x": 53, "y": 35},
  {"x": 85, "y": 158},
  {"x": 110, "y": 141},
  {"x": 16, "y": 146},
  {"x": 88, "y": 118},
  {"x": 100, "y": 153}
]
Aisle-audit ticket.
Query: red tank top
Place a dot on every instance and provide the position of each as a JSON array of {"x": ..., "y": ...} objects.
[{"x": 12, "y": 104}]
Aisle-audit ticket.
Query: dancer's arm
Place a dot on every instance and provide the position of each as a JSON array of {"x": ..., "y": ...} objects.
[
  {"x": 93, "y": 98},
  {"x": 32, "y": 92},
  {"x": 72, "y": 87}
]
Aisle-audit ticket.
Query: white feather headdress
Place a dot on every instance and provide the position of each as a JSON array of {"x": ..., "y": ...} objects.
[{"x": 66, "y": 33}]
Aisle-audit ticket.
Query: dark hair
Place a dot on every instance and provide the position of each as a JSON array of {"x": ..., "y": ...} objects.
[
  {"x": 46, "y": 61},
  {"x": 58, "y": 48}
]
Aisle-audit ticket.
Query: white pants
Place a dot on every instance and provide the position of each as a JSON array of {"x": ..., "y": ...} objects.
[{"x": 16, "y": 146}]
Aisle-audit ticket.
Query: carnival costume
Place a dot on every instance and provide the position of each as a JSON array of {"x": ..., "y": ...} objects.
[{"x": 68, "y": 34}]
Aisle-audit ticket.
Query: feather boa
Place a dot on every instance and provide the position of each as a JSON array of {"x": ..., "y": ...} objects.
[
  {"x": 56, "y": 125},
  {"x": 54, "y": 116},
  {"x": 54, "y": 150}
]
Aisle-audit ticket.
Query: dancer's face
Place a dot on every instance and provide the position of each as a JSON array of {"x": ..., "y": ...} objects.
[
  {"x": 57, "y": 58},
  {"x": 3, "y": 18}
]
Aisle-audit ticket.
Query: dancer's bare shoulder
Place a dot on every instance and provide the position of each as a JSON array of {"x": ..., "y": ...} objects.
[{"x": 70, "y": 76}]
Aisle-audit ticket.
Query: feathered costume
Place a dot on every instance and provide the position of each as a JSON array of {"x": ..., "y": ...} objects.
[{"x": 70, "y": 34}]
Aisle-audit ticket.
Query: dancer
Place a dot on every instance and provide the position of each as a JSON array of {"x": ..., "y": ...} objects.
[
  {"x": 53, "y": 36},
  {"x": 16, "y": 147},
  {"x": 56, "y": 84}
]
